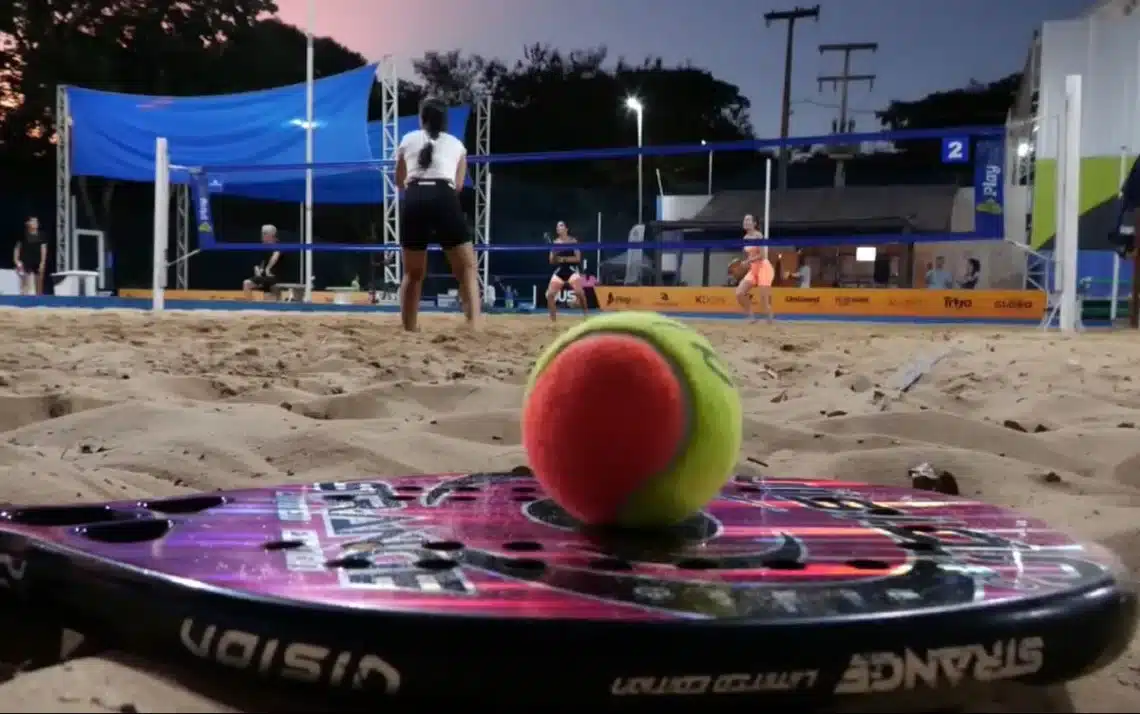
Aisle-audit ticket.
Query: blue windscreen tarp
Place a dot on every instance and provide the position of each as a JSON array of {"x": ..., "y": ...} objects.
[
  {"x": 113, "y": 135},
  {"x": 340, "y": 186}
]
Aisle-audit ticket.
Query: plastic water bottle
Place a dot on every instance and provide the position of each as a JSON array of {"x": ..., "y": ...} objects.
[{"x": 509, "y": 297}]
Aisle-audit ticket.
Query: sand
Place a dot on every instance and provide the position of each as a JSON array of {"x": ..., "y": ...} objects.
[{"x": 113, "y": 405}]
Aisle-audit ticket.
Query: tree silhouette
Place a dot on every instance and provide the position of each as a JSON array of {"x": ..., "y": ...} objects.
[
  {"x": 550, "y": 99},
  {"x": 976, "y": 104}
]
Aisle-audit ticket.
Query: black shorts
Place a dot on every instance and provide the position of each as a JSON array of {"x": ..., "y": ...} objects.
[
  {"x": 431, "y": 213},
  {"x": 565, "y": 272},
  {"x": 265, "y": 283}
]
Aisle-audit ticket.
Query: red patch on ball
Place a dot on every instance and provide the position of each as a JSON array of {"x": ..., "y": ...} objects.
[{"x": 607, "y": 414}]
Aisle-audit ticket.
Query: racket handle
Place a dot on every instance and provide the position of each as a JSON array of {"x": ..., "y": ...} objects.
[{"x": 33, "y": 640}]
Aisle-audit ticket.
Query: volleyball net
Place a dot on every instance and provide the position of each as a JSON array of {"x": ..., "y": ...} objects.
[{"x": 645, "y": 237}]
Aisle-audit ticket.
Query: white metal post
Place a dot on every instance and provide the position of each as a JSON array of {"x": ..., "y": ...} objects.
[
  {"x": 640, "y": 165},
  {"x": 598, "y": 267},
  {"x": 161, "y": 223},
  {"x": 767, "y": 197},
  {"x": 1068, "y": 229},
  {"x": 1116, "y": 256},
  {"x": 307, "y": 255}
]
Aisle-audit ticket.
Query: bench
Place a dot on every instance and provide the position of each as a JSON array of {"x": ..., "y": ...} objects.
[
  {"x": 75, "y": 283},
  {"x": 289, "y": 292},
  {"x": 343, "y": 295}
]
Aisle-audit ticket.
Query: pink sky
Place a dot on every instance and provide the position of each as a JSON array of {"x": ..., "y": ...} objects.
[{"x": 924, "y": 46}]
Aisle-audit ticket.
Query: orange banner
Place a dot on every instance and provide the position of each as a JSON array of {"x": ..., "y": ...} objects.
[
  {"x": 838, "y": 302},
  {"x": 353, "y": 298}
]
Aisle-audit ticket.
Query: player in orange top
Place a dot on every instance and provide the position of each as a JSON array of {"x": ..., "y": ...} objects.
[{"x": 760, "y": 272}]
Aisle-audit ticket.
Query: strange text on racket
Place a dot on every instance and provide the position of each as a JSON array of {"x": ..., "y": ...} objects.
[{"x": 875, "y": 672}]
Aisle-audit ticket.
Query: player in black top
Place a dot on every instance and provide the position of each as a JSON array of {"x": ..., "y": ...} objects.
[
  {"x": 265, "y": 274},
  {"x": 566, "y": 260},
  {"x": 30, "y": 258}
]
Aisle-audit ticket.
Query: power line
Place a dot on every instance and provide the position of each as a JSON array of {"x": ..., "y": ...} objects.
[
  {"x": 824, "y": 105},
  {"x": 790, "y": 17}
]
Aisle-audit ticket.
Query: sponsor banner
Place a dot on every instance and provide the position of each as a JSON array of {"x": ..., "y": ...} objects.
[
  {"x": 200, "y": 195},
  {"x": 947, "y": 304},
  {"x": 989, "y": 191},
  {"x": 321, "y": 298}
]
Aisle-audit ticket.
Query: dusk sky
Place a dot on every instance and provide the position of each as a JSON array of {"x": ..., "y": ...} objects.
[{"x": 924, "y": 45}]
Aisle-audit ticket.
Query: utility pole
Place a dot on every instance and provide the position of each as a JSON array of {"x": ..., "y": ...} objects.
[
  {"x": 789, "y": 16},
  {"x": 842, "y": 82}
]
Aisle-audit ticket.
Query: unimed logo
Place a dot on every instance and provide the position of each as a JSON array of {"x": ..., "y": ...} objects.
[
  {"x": 802, "y": 298},
  {"x": 953, "y": 303}
]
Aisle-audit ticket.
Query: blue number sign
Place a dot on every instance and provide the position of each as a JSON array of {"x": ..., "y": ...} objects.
[{"x": 955, "y": 150}]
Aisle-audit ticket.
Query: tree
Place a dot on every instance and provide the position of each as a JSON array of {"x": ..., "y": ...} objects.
[
  {"x": 137, "y": 46},
  {"x": 974, "y": 105},
  {"x": 552, "y": 100},
  {"x": 156, "y": 47},
  {"x": 977, "y": 104},
  {"x": 455, "y": 78}
]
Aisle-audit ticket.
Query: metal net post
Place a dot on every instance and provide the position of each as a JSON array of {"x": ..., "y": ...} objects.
[
  {"x": 182, "y": 238},
  {"x": 390, "y": 142},
  {"x": 481, "y": 176},
  {"x": 63, "y": 236}
]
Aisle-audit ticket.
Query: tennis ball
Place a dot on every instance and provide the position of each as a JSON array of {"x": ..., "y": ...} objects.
[{"x": 631, "y": 419}]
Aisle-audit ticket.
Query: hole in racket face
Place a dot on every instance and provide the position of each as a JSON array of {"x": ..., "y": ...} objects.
[
  {"x": 350, "y": 562},
  {"x": 435, "y": 564},
  {"x": 284, "y": 545},
  {"x": 140, "y": 531},
  {"x": 446, "y": 546},
  {"x": 182, "y": 506},
  {"x": 866, "y": 564},
  {"x": 66, "y": 515}
]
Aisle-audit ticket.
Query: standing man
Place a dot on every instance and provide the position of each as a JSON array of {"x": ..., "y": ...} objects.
[
  {"x": 938, "y": 277},
  {"x": 803, "y": 271},
  {"x": 30, "y": 258}
]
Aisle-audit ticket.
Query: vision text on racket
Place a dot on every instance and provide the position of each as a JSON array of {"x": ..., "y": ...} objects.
[
  {"x": 872, "y": 672},
  {"x": 297, "y": 661},
  {"x": 693, "y": 684}
]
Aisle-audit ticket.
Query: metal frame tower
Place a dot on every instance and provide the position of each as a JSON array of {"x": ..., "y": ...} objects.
[
  {"x": 62, "y": 180},
  {"x": 182, "y": 237},
  {"x": 389, "y": 143},
  {"x": 481, "y": 177}
]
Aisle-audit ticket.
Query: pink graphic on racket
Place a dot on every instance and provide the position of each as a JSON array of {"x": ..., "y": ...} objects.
[{"x": 794, "y": 592}]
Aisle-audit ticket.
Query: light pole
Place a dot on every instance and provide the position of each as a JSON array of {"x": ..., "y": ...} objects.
[
  {"x": 307, "y": 229},
  {"x": 711, "y": 152},
  {"x": 634, "y": 105}
]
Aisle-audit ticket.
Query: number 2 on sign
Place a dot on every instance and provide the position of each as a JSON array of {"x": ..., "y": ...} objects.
[{"x": 955, "y": 151}]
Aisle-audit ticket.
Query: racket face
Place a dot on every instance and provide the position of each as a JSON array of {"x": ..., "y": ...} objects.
[{"x": 822, "y": 557}]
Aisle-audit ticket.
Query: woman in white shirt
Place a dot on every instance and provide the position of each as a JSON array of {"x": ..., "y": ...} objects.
[{"x": 431, "y": 166}]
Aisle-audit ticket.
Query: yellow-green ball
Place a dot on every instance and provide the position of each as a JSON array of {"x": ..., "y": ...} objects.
[{"x": 699, "y": 465}]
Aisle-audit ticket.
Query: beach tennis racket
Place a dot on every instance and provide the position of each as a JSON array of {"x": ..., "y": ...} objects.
[
  {"x": 812, "y": 595},
  {"x": 737, "y": 269}
]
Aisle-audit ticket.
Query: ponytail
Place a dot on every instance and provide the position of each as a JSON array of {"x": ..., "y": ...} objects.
[
  {"x": 433, "y": 119},
  {"x": 426, "y": 154}
]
